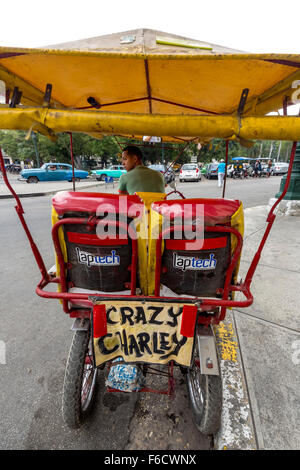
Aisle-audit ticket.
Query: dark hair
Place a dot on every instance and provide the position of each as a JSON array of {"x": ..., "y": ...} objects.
[{"x": 133, "y": 150}]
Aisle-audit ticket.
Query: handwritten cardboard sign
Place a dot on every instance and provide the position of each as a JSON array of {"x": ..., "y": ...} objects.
[{"x": 141, "y": 331}]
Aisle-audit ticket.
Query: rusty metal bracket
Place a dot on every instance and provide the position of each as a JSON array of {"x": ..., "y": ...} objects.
[
  {"x": 242, "y": 102},
  {"x": 93, "y": 102},
  {"x": 47, "y": 96},
  {"x": 16, "y": 97}
]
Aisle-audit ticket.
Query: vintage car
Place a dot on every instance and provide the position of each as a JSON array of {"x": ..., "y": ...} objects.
[
  {"x": 53, "y": 172},
  {"x": 114, "y": 171}
]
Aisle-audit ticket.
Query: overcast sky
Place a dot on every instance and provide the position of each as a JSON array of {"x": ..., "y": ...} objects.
[
  {"x": 255, "y": 26},
  {"x": 252, "y": 26}
]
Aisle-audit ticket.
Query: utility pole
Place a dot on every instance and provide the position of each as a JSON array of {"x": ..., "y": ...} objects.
[
  {"x": 279, "y": 148},
  {"x": 35, "y": 148},
  {"x": 271, "y": 149}
]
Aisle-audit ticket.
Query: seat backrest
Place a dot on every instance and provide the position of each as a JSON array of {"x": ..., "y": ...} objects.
[
  {"x": 196, "y": 266},
  {"x": 96, "y": 260}
]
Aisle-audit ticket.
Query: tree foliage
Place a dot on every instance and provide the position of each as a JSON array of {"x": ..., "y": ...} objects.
[{"x": 108, "y": 149}]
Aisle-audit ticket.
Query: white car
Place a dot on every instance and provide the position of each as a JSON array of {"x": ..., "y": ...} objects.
[
  {"x": 190, "y": 172},
  {"x": 279, "y": 168}
]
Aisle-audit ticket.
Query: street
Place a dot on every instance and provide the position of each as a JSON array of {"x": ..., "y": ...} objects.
[
  {"x": 252, "y": 191},
  {"x": 37, "y": 336}
]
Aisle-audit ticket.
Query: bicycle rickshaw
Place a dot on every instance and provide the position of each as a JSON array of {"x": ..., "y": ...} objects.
[{"x": 151, "y": 292}]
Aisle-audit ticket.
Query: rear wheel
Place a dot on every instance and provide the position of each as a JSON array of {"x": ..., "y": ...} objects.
[
  {"x": 205, "y": 392},
  {"x": 32, "y": 179},
  {"x": 80, "y": 381},
  {"x": 102, "y": 177}
]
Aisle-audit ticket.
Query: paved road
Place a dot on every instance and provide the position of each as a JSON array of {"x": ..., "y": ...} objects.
[
  {"x": 37, "y": 337},
  {"x": 252, "y": 191}
]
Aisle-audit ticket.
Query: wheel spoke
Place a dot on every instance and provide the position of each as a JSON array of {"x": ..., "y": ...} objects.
[
  {"x": 87, "y": 380},
  {"x": 80, "y": 380},
  {"x": 205, "y": 392}
]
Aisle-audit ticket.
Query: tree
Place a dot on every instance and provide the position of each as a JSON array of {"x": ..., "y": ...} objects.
[
  {"x": 16, "y": 146},
  {"x": 86, "y": 148}
]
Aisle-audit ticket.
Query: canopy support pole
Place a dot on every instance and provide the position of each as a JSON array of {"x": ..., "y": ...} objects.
[
  {"x": 20, "y": 212},
  {"x": 72, "y": 159},
  {"x": 119, "y": 145},
  {"x": 179, "y": 155},
  {"x": 225, "y": 176}
]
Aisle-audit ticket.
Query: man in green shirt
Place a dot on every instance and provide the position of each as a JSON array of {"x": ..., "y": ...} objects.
[{"x": 139, "y": 178}]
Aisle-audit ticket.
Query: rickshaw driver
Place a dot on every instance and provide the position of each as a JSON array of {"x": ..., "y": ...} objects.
[{"x": 138, "y": 178}]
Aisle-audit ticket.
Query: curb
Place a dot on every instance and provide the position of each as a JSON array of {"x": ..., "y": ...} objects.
[
  {"x": 237, "y": 430},
  {"x": 45, "y": 193}
]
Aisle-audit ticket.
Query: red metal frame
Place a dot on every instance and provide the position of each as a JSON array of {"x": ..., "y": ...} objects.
[
  {"x": 227, "y": 287},
  {"x": 270, "y": 219},
  {"x": 203, "y": 304},
  {"x": 60, "y": 258},
  {"x": 66, "y": 297},
  {"x": 176, "y": 192},
  {"x": 208, "y": 243},
  {"x": 243, "y": 287}
]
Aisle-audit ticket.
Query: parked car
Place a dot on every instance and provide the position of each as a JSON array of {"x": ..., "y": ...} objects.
[
  {"x": 279, "y": 168},
  {"x": 190, "y": 172},
  {"x": 168, "y": 173},
  {"x": 53, "y": 172},
  {"x": 211, "y": 171},
  {"x": 114, "y": 171},
  {"x": 13, "y": 168}
]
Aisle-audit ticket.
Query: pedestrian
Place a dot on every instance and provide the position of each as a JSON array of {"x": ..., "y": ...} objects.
[
  {"x": 139, "y": 178},
  {"x": 269, "y": 168},
  {"x": 221, "y": 173},
  {"x": 257, "y": 168}
]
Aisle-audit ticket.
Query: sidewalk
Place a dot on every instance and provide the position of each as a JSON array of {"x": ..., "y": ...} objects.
[
  {"x": 268, "y": 336},
  {"x": 42, "y": 188}
]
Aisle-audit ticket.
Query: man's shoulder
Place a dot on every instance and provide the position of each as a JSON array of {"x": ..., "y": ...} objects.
[{"x": 145, "y": 169}]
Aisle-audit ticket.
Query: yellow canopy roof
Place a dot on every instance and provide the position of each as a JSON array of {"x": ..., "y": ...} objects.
[{"x": 143, "y": 73}]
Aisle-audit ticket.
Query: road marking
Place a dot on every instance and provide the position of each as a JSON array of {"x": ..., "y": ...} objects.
[{"x": 237, "y": 429}]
